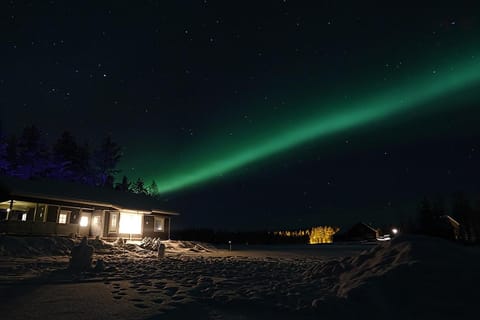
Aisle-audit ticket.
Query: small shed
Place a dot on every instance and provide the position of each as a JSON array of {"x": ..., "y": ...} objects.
[{"x": 358, "y": 232}]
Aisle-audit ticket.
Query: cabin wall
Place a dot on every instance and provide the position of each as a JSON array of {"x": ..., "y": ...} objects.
[
  {"x": 60, "y": 218},
  {"x": 150, "y": 228}
]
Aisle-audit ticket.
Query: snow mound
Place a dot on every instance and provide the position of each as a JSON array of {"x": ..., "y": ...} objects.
[
  {"x": 13, "y": 246},
  {"x": 410, "y": 276},
  {"x": 175, "y": 246}
]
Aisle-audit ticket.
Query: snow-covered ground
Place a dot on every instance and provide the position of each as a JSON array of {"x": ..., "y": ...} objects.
[{"x": 407, "y": 278}]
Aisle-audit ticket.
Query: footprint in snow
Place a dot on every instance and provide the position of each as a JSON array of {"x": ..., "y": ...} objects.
[
  {"x": 170, "y": 291},
  {"x": 178, "y": 298},
  {"x": 141, "y": 305}
]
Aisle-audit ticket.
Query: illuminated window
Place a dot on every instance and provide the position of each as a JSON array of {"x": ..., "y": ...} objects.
[
  {"x": 83, "y": 221},
  {"x": 130, "y": 223},
  {"x": 96, "y": 220},
  {"x": 24, "y": 216},
  {"x": 62, "y": 218},
  {"x": 159, "y": 224}
]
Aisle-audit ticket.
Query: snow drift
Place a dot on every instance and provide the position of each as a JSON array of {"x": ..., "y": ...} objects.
[
  {"x": 12, "y": 246},
  {"x": 412, "y": 277}
]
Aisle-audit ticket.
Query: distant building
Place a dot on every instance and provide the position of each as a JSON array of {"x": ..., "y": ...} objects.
[
  {"x": 447, "y": 227},
  {"x": 57, "y": 208},
  {"x": 358, "y": 232}
]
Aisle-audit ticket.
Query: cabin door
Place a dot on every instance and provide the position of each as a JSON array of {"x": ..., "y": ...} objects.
[
  {"x": 97, "y": 223},
  {"x": 148, "y": 226}
]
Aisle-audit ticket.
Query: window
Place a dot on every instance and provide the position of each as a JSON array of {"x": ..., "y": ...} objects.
[
  {"x": 130, "y": 223},
  {"x": 63, "y": 216},
  {"x": 83, "y": 221},
  {"x": 24, "y": 216},
  {"x": 159, "y": 224},
  {"x": 113, "y": 222},
  {"x": 96, "y": 220}
]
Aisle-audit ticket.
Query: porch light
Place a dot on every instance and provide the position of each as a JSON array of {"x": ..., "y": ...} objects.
[{"x": 394, "y": 230}]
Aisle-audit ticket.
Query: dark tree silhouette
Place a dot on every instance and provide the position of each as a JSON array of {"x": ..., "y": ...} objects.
[
  {"x": 3, "y": 155},
  {"x": 33, "y": 154},
  {"x": 65, "y": 154},
  {"x": 139, "y": 187},
  {"x": 106, "y": 159},
  {"x": 83, "y": 165},
  {"x": 123, "y": 186},
  {"x": 153, "y": 189},
  {"x": 463, "y": 212},
  {"x": 426, "y": 218},
  {"x": 12, "y": 154},
  {"x": 28, "y": 157}
]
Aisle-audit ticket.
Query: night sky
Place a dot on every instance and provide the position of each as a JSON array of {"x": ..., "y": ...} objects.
[{"x": 261, "y": 114}]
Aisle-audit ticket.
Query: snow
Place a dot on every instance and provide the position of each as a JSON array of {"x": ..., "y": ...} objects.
[{"x": 408, "y": 277}]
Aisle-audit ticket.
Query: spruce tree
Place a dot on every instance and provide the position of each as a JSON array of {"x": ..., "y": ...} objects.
[
  {"x": 106, "y": 158},
  {"x": 153, "y": 189}
]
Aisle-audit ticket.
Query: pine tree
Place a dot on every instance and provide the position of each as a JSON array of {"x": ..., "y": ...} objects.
[
  {"x": 64, "y": 155},
  {"x": 107, "y": 157},
  {"x": 83, "y": 165},
  {"x": 153, "y": 189},
  {"x": 139, "y": 187}
]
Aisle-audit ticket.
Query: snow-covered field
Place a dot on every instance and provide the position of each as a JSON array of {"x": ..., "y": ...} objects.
[{"x": 407, "y": 278}]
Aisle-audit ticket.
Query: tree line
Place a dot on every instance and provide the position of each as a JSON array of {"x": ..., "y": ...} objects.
[
  {"x": 456, "y": 218},
  {"x": 28, "y": 156}
]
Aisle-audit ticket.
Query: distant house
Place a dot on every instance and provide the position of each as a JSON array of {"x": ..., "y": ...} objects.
[
  {"x": 66, "y": 209},
  {"x": 447, "y": 227},
  {"x": 358, "y": 232}
]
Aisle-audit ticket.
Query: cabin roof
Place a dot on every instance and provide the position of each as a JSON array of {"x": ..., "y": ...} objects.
[{"x": 77, "y": 194}]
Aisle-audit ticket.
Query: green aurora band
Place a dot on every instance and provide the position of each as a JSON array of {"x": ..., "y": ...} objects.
[{"x": 397, "y": 99}]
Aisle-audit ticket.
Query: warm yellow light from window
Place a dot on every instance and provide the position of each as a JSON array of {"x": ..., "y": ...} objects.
[
  {"x": 62, "y": 218},
  {"x": 83, "y": 221},
  {"x": 130, "y": 223},
  {"x": 158, "y": 225}
]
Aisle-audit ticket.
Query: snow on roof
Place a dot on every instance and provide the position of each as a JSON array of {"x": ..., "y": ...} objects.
[{"x": 58, "y": 191}]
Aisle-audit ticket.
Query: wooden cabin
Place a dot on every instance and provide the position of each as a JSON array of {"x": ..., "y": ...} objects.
[{"x": 37, "y": 207}]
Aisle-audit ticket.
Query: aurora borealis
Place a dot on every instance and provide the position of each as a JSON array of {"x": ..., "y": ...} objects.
[
  {"x": 258, "y": 114},
  {"x": 379, "y": 107}
]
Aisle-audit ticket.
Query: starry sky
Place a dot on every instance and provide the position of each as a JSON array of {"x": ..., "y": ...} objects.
[{"x": 258, "y": 114}]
